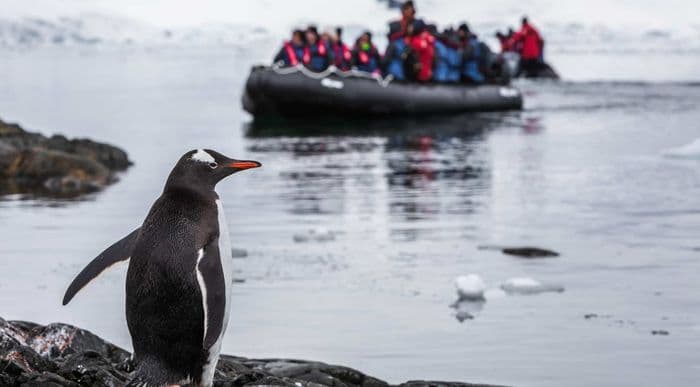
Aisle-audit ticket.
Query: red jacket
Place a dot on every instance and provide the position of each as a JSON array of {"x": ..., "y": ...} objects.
[
  {"x": 505, "y": 44},
  {"x": 423, "y": 45},
  {"x": 530, "y": 40}
]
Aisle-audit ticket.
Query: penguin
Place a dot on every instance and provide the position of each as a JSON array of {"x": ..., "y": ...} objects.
[{"x": 179, "y": 276}]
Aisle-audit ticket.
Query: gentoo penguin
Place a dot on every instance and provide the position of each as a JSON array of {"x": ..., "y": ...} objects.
[{"x": 179, "y": 277}]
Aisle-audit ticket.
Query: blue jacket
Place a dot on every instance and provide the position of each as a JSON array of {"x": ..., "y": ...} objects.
[
  {"x": 290, "y": 54},
  {"x": 367, "y": 61},
  {"x": 320, "y": 56},
  {"x": 448, "y": 62},
  {"x": 470, "y": 68},
  {"x": 394, "y": 59}
]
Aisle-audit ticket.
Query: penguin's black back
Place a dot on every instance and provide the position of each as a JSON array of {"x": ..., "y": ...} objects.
[{"x": 163, "y": 300}]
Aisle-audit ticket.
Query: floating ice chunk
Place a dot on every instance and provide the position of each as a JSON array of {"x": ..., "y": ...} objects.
[
  {"x": 689, "y": 151},
  {"x": 318, "y": 234},
  {"x": 526, "y": 285},
  {"x": 470, "y": 287}
]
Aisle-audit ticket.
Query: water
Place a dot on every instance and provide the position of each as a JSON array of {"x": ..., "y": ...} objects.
[{"x": 583, "y": 170}]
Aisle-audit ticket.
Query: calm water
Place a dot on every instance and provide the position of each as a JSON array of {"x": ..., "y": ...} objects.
[{"x": 582, "y": 171}]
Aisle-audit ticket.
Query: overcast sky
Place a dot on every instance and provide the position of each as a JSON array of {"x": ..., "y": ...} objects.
[{"x": 275, "y": 13}]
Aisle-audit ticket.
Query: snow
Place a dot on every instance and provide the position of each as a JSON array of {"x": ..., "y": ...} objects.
[
  {"x": 470, "y": 287},
  {"x": 581, "y": 26},
  {"x": 527, "y": 285}
]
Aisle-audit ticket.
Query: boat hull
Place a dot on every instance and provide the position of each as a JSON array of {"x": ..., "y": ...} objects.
[{"x": 296, "y": 92}]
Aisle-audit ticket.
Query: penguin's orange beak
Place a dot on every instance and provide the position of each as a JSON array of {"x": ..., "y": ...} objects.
[{"x": 242, "y": 165}]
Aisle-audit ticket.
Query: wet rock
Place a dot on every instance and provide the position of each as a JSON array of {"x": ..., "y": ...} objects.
[
  {"x": 60, "y": 340},
  {"x": 530, "y": 252},
  {"x": 63, "y": 355},
  {"x": 523, "y": 252},
  {"x": 33, "y": 163},
  {"x": 46, "y": 379},
  {"x": 91, "y": 369},
  {"x": 421, "y": 383}
]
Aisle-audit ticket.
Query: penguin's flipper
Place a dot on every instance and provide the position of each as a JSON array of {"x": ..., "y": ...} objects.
[
  {"x": 120, "y": 251},
  {"x": 212, "y": 284}
]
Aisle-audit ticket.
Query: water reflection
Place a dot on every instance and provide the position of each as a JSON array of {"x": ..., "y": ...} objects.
[{"x": 416, "y": 172}]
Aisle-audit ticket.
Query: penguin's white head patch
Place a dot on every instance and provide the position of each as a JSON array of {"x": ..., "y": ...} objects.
[{"x": 202, "y": 156}]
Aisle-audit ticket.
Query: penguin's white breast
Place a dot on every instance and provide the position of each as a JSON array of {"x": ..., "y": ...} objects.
[
  {"x": 227, "y": 265},
  {"x": 226, "y": 259}
]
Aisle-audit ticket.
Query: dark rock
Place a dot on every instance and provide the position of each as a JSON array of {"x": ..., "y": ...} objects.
[
  {"x": 421, "y": 383},
  {"x": 33, "y": 163},
  {"x": 63, "y": 355},
  {"x": 60, "y": 340},
  {"x": 46, "y": 379},
  {"x": 530, "y": 252},
  {"x": 524, "y": 252},
  {"x": 91, "y": 369}
]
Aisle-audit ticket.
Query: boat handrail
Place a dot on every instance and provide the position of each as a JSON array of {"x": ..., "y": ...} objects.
[{"x": 331, "y": 70}]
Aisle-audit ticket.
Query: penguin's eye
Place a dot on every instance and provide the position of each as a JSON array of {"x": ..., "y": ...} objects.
[{"x": 213, "y": 165}]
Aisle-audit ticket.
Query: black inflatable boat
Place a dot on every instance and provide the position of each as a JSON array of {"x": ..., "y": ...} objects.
[
  {"x": 296, "y": 91},
  {"x": 544, "y": 71}
]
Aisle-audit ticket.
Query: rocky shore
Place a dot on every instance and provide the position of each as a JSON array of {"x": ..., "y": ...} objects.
[
  {"x": 62, "y": 355},
  {"x": 58, "y": 166}
]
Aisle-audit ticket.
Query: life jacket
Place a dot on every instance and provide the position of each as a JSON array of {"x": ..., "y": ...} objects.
[
  {"x": 343, "y": 56},
  {"x": 292, "y": 54},
  {"x": 316, "y": 56},
  {"x": 506, "y": 44},
  {"x": 394, "y": 58},
  {"x": 423, "y": 45},
  {"x": 367, "y": 61},
  {"x": 470, "y": 67}
]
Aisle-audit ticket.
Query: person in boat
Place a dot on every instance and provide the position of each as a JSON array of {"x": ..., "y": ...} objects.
[
  {"x": 504, "y": 41},
  {"x": 530, "y": 45},
  {"x": 448, "y": 57},
  {"x": 341, "y": 52},
  {"x": 365, "y": 56},
  {"x": 398, "y": 29},
  {"x": 292, "y": 51},
  {"x": 317, "y": 54},
  {"x": 472, "y": 59},
  {"x": 422, "y": 45},
  {"x": 397, "y": 58}
]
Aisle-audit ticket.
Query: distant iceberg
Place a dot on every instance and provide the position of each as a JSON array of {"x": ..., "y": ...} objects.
[{"x": 99, "y": 30}]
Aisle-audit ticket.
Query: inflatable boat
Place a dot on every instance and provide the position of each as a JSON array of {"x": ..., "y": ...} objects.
[
  {"x": 297, "y": 91},
  {"x": 511, "y": 62}
]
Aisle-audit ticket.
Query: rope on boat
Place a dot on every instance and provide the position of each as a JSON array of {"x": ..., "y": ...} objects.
[{"x": 382, "y": 81}]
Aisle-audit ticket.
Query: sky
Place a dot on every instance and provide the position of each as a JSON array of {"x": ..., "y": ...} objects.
[{"x": 273, "y": 13}]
